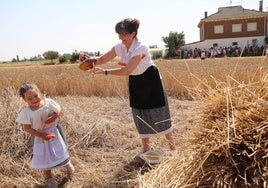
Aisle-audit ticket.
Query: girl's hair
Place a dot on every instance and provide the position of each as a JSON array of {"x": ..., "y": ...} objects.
[
  {"x": 26, "y": 86},
  {"x": 127, "y": 26}
]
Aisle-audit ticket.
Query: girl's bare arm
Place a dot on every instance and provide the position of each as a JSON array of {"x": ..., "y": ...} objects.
[
  {"x": 27, "y": 128},
  {"x": 52, "y": 117}
]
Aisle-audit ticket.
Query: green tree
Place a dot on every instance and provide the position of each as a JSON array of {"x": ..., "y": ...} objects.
[
  {"x": 51, "y": 55},
  {"x": 62, "y": 59},
  {"x": 74, "y": 57},
  {"x": 172, "y": 42}
]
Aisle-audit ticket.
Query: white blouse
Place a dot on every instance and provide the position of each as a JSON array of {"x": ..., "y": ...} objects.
[
  {"x": 137, "y": 48},
  {"x": 38, "y": 117}
]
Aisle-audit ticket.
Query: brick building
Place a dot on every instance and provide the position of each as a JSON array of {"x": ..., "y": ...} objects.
[{"x": 232, "y": 26}]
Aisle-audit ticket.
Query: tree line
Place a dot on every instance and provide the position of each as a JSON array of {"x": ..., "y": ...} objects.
[{"x": 172, "y": 42}]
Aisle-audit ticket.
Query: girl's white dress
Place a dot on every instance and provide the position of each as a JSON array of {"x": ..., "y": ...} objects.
[{"x": 46, "y": 154}]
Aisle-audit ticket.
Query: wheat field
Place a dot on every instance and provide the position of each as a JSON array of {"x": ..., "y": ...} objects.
[
  {"x": 97, "y": 119},
  {"x": 178, "y": 76}
]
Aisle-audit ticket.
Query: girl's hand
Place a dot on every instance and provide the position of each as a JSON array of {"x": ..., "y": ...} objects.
[
  {"x": 51, "y": 118},
  {"x": 49, "y": 136}
]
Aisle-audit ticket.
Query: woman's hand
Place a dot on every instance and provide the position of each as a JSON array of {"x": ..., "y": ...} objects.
[
  {"x": 83, "y": 57},
  {"x": 86, "y": 58},
  {"x": 99, "y": 70},
  {"x": 86, "y": 62}
]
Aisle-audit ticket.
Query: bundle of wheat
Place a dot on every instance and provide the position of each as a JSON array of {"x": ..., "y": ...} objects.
[{"x": 228, "y": 146}]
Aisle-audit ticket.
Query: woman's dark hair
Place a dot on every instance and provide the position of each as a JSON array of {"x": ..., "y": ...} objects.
[
  {"x": 127, "y": 26},
  {"x": 25, "y": 87}
]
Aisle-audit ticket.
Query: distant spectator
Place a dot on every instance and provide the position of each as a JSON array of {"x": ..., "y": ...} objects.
[{"x": 203, "y": 55}]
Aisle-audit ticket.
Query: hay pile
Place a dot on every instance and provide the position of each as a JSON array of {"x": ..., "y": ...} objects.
[{"x": 228, "y": 145}]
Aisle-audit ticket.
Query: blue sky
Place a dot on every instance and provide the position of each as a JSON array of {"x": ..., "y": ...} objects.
[{"x": 31, "y": 27}]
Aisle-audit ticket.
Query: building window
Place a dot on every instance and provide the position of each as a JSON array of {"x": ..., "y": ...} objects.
[
  {"x": 252, "y": 26},
  {"x": 218, "y": 29},
  {"x": 236, "y": 28}
]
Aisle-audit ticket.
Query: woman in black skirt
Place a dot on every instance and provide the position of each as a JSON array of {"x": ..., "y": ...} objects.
[{"x": 147, "y": 96}]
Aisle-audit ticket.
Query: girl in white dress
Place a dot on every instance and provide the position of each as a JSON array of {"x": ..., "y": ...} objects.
[{"x": 40, "y": 119}]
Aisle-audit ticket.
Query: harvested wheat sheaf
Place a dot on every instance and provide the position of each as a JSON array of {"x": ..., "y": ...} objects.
[{"x": 228, "y": 145}]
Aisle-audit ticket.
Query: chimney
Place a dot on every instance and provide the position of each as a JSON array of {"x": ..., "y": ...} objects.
[
  {"x": 261, "y": 5},
  {"x": 206, "y": 14}
]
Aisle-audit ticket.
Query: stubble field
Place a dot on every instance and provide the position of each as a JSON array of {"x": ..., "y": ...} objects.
[{"x": 98, "y": 123}]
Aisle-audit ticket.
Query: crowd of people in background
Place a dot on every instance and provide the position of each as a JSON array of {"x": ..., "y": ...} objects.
[{"x": 212, "y": 52}]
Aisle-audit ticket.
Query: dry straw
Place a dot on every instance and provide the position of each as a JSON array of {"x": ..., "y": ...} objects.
[{"x": 226, "y": 147}]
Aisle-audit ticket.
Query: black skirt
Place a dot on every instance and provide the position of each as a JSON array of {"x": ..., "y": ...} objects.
[{"x": 146, "y": 90}]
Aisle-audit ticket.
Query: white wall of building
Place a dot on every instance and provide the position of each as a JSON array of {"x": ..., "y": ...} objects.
[{"x": 241, "y": 42}]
